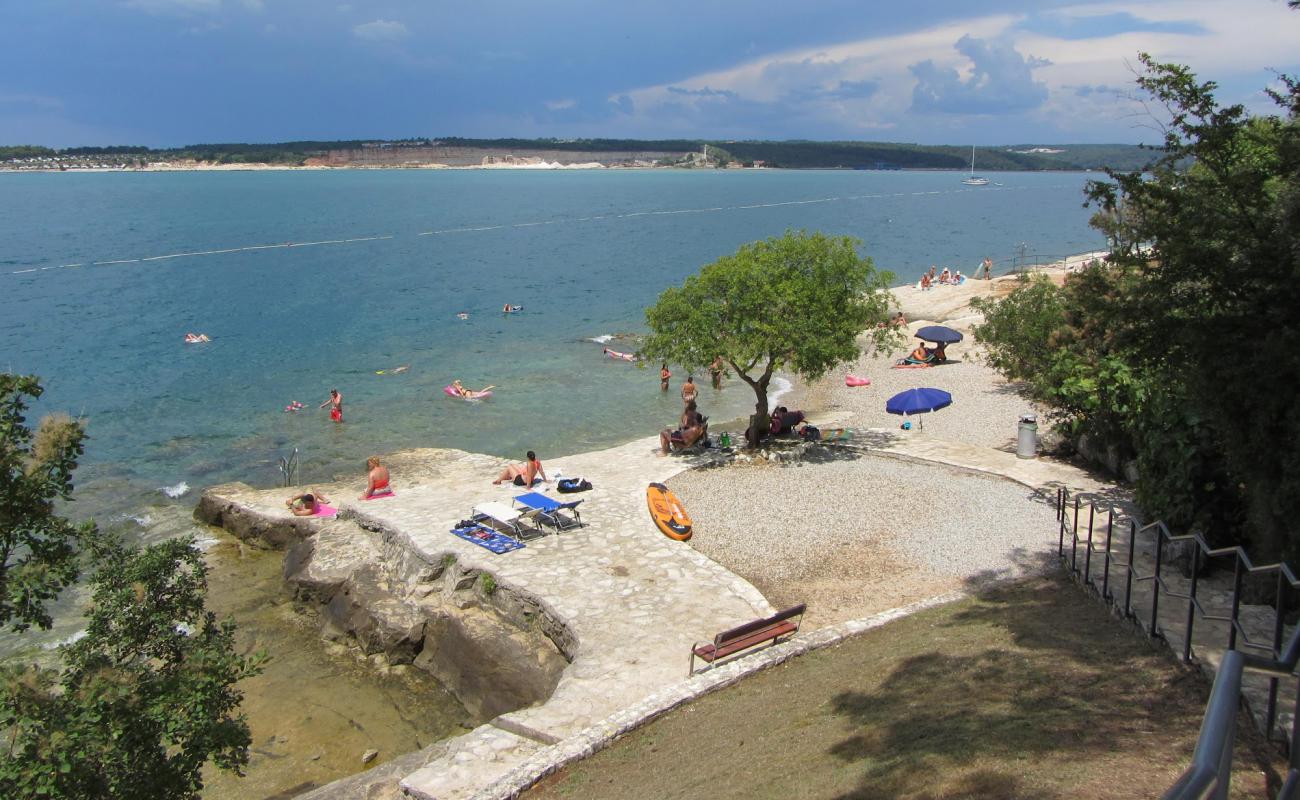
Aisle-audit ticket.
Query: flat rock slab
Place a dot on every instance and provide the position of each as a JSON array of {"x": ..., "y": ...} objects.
[{"x": 634, "y": 600}]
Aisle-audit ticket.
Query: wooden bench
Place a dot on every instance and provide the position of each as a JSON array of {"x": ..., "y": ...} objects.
[{"x": 751, "y": 634}]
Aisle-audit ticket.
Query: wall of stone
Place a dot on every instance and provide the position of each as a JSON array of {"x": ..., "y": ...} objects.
[{"x": 495, "y": 648}]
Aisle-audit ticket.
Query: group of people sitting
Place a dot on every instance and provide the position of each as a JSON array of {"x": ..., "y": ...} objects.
[
  {"x": 947, "y": 278},
  {"x": 692, "y": 428},
  {"x": 314, "y": 502},
  {"x": 927, "y": 355}
]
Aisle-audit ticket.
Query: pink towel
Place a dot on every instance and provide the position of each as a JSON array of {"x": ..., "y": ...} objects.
[
  {"x": 382, "y": 495},
  {"x": 325, "y": 511}
]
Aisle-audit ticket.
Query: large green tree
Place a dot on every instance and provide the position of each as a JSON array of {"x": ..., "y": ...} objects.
[
  {"x": 1183, "y": 350},
  {"x": 148, "y": 695},
  {"x": 797, "y": 302}
]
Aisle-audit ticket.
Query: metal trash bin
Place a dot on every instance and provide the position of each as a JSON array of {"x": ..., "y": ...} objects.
[{"x": 1027, "y": 439}]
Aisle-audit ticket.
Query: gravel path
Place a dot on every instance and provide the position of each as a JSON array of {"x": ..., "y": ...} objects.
[
  {"x": 836, "y": 530},
  {"x": 836, "y": 533},
  {"x": 985, "y": 409}
]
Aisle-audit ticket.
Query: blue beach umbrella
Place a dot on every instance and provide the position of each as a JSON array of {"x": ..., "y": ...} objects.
[
  {"x": 918, "y": 401},
  {"x": 938, "y": 334}
]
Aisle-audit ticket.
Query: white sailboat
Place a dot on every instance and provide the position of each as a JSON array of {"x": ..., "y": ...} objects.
[{"x": 974, "y": 180}]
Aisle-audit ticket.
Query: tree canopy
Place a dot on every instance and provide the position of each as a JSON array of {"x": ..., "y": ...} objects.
[
  {"x": 148, "y": 695},
  {"x": 38, "y": 549},
  {"x": 796, "y": 302},
  {"x": 1183, "y": 350}
]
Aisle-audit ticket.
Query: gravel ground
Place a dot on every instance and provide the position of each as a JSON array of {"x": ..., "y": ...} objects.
[
  {"x": 985, "y": 410},
  {"x": 836, "y": 533}
]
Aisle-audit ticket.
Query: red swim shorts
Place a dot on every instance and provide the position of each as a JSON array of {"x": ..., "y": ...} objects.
[{"x": 336, "y": 415}]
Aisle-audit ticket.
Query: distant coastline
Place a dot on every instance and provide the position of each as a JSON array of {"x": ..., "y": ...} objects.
[{"x": 564, "y": 154}]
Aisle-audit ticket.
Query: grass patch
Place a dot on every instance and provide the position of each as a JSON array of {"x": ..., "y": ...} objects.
[{"x": 1028, "y": 691}]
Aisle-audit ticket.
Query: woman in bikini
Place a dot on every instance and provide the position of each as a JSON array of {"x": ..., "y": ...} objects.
[
  {"x": 522, "y": 474},
  {"x": 377, "y": 481}
]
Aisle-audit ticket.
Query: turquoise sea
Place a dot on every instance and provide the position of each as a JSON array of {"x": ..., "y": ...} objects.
[{"x": 311, "y": 280}]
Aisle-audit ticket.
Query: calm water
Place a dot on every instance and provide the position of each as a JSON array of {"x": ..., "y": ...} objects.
[{"x": 381, "y": 263}]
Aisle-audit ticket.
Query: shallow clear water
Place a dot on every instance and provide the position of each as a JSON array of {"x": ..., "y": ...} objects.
[
  {"x": 583, "y": 252},
  {"x": 360, "y": 290}
]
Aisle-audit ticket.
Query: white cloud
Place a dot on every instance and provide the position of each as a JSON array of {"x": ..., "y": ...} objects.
[
  {"x": 381, "y": 30},
  {"x": 560, "y": 105},
  {"x": 970, "y": 69}
]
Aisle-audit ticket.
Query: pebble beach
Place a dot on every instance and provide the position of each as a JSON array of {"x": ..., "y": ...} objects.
[{"x": 851, "y": 531}]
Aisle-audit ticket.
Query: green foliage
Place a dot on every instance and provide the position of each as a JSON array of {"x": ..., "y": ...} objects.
[
  {"x": 24, "y": 151},
  {"x": 38, "y": 549},
  {"x": 1184, "y": 350},
  {"x": 148, "y": 695},
  {"x": 797, "y": 302},
  {"x": 146, "y": 698},
  {"x": 488, "y": 583}
]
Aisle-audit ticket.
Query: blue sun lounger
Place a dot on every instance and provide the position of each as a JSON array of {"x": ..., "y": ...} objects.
[{"x": 548, "y": 510}]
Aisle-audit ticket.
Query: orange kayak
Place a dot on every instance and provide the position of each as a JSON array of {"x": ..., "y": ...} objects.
[{"x": 667, "y": 512}]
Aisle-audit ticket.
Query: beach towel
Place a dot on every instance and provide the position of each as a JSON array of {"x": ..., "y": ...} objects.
[
  {"x": 487, "y": 538},
  {"x": 382, "y": 495},
  {"x": 325, "y": 511},
  {"x": 906, "y": 365}
]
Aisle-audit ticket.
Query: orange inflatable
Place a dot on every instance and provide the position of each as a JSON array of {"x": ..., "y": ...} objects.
[{"x": 667, "y": 512}]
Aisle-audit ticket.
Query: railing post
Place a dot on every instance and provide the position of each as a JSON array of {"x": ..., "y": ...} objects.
[
  {"x": 1128, "y": 578},
  {"x": 1087, "y": 557},
  {"x": 1155, "y": 583},
  {"x": 1279, "y": 606},
  {"x": 1074, "y": 540},
  {"x": 1060, "y": 535},
  {"x": 1236, "y": 600},
  {"x": 1191, "y": 603},
  {"x": 1295, "y": 720},
  {"x": 1105, "y": 572}
]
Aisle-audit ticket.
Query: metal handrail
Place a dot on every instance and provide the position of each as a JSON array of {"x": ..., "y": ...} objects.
[
  {"x": 1210, "y": 772},
  {"x": 289, "y": 468},
  {"x": 1243, "y": 567}
]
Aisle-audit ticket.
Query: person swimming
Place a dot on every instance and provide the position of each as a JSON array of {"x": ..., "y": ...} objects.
[
  {"x": 462, "y": 315},
  {"x": 195, "y": 338}
]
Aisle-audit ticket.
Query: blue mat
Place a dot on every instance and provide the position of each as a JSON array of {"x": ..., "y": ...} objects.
[{"x": 486, "y": 537}]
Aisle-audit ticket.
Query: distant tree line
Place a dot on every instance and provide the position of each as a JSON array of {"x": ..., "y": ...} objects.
[{"x": 794, "y": 154}]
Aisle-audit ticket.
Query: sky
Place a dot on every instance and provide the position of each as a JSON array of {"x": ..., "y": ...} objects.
[{"x": 175, "y": 72}]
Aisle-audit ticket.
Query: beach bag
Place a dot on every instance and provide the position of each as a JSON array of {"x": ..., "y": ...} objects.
[
  {"x": 810, "y": 434},
  {"x": 571, "y": 485}
]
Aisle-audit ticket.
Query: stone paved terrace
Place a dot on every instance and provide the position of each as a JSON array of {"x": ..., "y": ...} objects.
[{"x": 634, "y": 599}]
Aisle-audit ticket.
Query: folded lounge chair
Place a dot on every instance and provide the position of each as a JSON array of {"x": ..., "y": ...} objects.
[
  {"x": 504, "y": 518},
  {"x": 547, "y": 509}
]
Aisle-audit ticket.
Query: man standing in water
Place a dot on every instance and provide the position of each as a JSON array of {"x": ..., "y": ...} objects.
[{"x": 335, "y": 402}]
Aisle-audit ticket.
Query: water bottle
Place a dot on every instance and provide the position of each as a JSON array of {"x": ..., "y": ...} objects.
[{"x": 725, "y": 439}]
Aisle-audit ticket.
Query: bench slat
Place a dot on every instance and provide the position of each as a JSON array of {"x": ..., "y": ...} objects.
[{"x": 712, "y": 652}]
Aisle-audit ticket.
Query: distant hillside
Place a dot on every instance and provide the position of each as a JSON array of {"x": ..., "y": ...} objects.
[{"x": 795, "y": 154}]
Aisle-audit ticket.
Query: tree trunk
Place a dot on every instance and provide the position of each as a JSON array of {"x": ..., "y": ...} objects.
[{"x": 760, "y": 423}]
